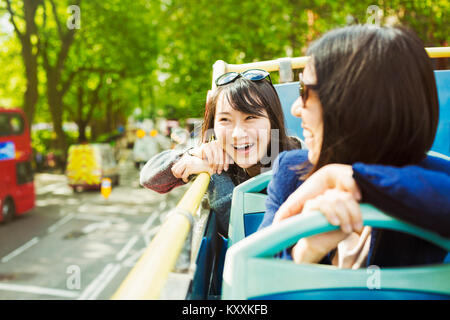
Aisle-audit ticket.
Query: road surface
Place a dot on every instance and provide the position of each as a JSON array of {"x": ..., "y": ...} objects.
[{"x": 79, "y": 245}]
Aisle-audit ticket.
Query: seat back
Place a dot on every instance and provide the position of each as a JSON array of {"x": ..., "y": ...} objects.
[
  {"x": 247, "y": 207},
  {"x": 442, "y": 141},
  {"x": 288, "y": 93},
  {"x": 249, "y": 261}
]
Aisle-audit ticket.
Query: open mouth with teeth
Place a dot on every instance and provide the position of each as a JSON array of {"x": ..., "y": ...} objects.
[{"x": 243, "y": 147}]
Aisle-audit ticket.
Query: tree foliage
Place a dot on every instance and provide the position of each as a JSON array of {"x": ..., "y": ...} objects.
[{"x": 158, "y": 54}]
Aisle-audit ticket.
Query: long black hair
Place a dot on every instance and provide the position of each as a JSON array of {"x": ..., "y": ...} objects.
[{"x": 378, "y": 95}]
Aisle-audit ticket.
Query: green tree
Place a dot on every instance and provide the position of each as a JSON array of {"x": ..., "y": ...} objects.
[
  {"x": 112, "y": 47},
  {"x": 157, "y": 53}
]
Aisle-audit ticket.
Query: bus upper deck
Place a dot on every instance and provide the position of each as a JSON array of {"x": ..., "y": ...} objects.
[{"x": 247, "y": 261}]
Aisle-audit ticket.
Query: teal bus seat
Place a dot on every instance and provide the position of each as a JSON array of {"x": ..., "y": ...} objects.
[
  {"x": 252, "y": 222},
  {"x": 249, "y": 262},
  {"x": 248, "y": 206},
  {"x": 353, "y": 294}
]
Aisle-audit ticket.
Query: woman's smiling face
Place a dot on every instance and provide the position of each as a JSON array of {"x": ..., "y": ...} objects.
[
  {"x": 310, "y": 111},
  {"x": 245, "y": 137}
]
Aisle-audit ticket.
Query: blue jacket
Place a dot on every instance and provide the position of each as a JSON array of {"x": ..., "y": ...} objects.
[{"x": 419, "y": 194}]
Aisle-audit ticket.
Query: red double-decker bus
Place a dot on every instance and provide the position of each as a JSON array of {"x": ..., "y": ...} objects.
[{"x": 17, "y": 194}]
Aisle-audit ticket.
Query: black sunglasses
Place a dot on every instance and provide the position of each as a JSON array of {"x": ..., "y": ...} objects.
[
  {"x": 303, "y": 89},
  {"x": 252, "y": 74}
]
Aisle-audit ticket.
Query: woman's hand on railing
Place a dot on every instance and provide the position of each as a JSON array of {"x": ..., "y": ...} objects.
[
  {"x": 332, "y": 176},
  {"x": 214, "y": 154},
  {"x": 314, "y": 248},
  {"x": 340, "y": 208},
  {"x": 189, "y": 165}
]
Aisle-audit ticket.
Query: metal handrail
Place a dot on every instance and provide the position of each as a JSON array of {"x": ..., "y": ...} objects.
[
  {"x": 220, "y": 67},
  {"x": 148, "y": 277}
]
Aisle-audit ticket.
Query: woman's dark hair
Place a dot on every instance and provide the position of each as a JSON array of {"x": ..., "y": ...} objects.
[
  {"x": 250, "y": 97},
  {"x": 378, "y": 95}
]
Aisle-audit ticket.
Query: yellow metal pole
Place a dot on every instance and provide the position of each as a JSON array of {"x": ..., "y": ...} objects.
[
  {"x": 300, "y": 62},
  {"x": 193, "y": 196},
  {"x": 148, "y": 277},
  {"x": 438, "y": 52}
]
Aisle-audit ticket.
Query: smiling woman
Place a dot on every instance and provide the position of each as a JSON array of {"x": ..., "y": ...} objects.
[
  {"x": 246, "y": 118},
  {"x": 369, "y": 110},
  {"x": 244, "y": 137},
  {"x": 310, "y": 113},
  {"x": 243, "y": 132}
]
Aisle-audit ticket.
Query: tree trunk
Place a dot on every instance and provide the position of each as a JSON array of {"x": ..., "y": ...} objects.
[
  {"x": 29, "y": 54},
  {"x": 82, "y": 125},
  {"x": 55, "y": 103},
  {"x": 31, "y": 94},
  {"x": 56, "y": 86}
]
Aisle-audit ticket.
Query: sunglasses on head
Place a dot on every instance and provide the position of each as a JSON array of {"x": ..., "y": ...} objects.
[{"x": 252, "y": 74}]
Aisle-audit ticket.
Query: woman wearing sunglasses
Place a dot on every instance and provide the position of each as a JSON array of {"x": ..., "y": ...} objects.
[
  {"x": 243, "y": 130},
  {"x": 369, "y": 113}
]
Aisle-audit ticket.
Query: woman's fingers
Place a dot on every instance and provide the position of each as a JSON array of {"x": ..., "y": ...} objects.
[
  {"x": 332, "y": 176},
  {"x": 217, "y": 158},
  {"x": 347, "y": 183},
  {"x": 355, "y": 214},
  {"x": 222, "y": 158},
  {"x": 185, "y": 175},
  {"x": 347, "y": 210},
  {"x": 339, "y": 208},
  {"x": 312, "y": 249},
  {"x": 208, "y": 156},
  {"x": 294, "y": 204},
  {"x": 228, "y": 161},
  {"x": 179, "y": 172},
  {"x": 177, "y": 169},
  {"x": 320, "y": 203}
]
